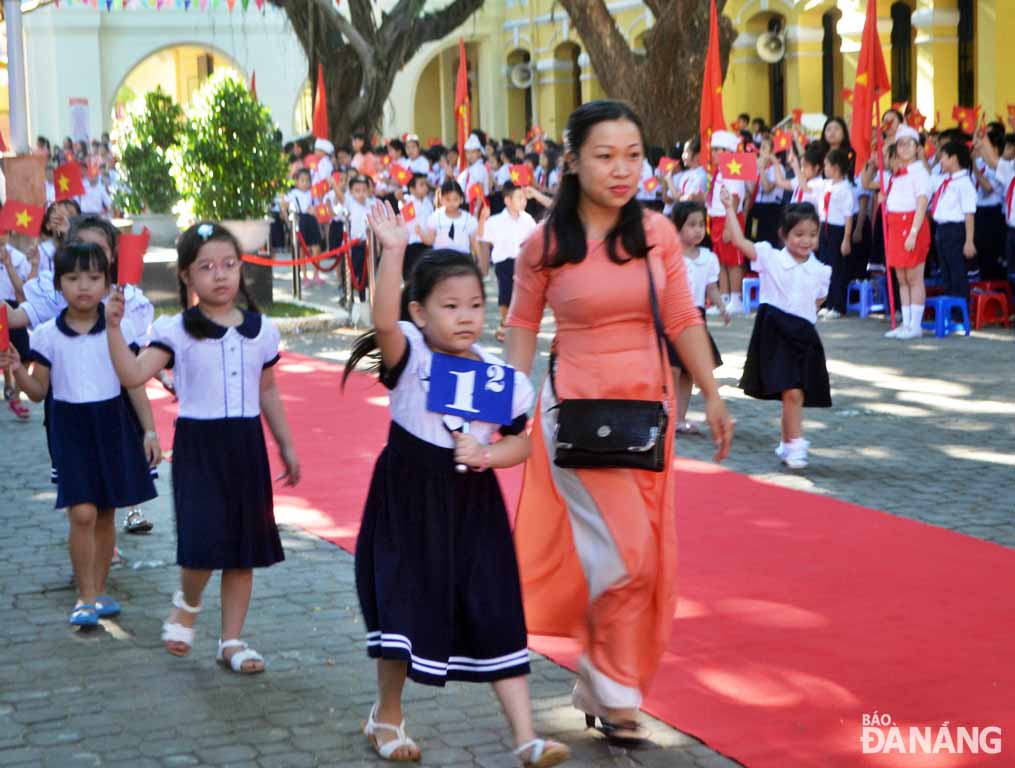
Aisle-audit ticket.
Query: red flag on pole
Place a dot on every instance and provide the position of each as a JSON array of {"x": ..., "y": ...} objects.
[
  {"x": 21, "y": 218},
  {"x": 871, "y": 83},
  {"x": 462, "y": 103},
  {"x": 739, "y": 165},
  {"x": 521, "y": 175},
  {"x": 711, "y": 88},
  {"x": 130, "y": 257},
  {"x": 253, "y": 83},
  {"x": 320, "y": 128},
  {"x": 67, "y": 181}
]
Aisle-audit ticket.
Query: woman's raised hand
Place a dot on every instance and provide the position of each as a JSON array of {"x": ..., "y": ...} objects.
[{"x": 388, "y": 227}]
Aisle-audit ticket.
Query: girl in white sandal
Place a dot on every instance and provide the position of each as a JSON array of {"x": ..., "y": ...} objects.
[
  {"x": 435, "y": 564},
  {"x": 222, "y": 360}
]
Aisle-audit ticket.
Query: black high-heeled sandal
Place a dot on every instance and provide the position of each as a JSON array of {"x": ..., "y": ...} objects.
[{"x": 610, "y": 731}]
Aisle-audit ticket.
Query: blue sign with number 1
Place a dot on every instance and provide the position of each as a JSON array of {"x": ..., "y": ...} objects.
[{"x": 472, "y": 389}]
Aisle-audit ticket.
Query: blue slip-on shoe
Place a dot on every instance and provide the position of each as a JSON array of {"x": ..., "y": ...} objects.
[
  {"x": 84, "y": 615},
  {"x": 106, "y": 607}
]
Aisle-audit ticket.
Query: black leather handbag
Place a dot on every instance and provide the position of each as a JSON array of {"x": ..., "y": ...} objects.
[{"x": 605, "y": 434}]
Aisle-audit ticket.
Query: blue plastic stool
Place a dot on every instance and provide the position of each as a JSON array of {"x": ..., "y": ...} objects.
[
  {"x": 859, "y": 297},
  {"x": 942, "y": 324},
  {"x": 879, "y": 294},
  {"x": 752, "y": 294}
]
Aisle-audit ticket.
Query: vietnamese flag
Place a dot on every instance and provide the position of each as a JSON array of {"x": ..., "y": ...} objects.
[
  {"x": 741, "y": 166},
  {"x": 476, "y": 193},
  {"x": 409, "y": 212},
  {"x": 385, "y": 161},
  {"x": 847, "y": 95},
  {"x": 433, "y": 141},
  {"x": 539, "y": 147},
  {"x": 21, "y": 218},
  {"x": 966, "y": 117},
  {"x": 130, "y": 257},
  {"x": 67, "y": 181},
  {"x": 323, "y": 213},
  {"x": 711, "y": 88},
  {"x": 320, "y": 127},
  {"x": 781, "y": 140},
  {"x": 321, "y": 188},
  {"x": 5, "y": 331},
  {"x": 871, "y": 83},
  {"x": 462, "y": 107},
  {"x": 651, "y": 185},
  {"x": 311, "y": 161},
  {"x": 521, "y": 175},
  {"x": 798, "y": 116},
  {"x": 667, "y": 164},
  {"x": 400, "y": 174}
]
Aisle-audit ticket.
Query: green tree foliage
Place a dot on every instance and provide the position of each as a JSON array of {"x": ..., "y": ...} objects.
[
  {"x": 144, "y": 138},
  {"x": 229, "y": 163}
]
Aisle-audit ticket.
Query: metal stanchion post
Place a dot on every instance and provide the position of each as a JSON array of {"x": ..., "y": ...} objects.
[
  {"x": 294, "y": 228},
  {"x": 346, "y": 262}
]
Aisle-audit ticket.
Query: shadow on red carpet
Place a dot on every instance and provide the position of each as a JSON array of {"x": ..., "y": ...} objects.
[{"x": 798, "y": 614}]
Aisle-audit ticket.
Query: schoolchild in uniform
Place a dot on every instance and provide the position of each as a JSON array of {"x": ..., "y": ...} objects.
[
  {"x": 435, "y": 563},
  {"x": 101, "y": 462},
  {"x": 476, "y": 172},
  {"x": 325, "y": 166},
  {"x": 55, "y": 223},
  {"x": 223, "y": 359},
  {"x": 422, "y": 206},
  {"x": 731, "y": 262},
  {"x": 785, "y": 358},
  {"x": 907, "y": 234},
  {"x": 768, "y": 197},
  {"x": 836, "y": 237},
  {"x": 990, "y": 214},
  {"x": 450, "y": 226},
  {"x": 500, "y": 243},
  {"x": 357, "y": 203},
  {"x": 415, "y": 160},
  {"x": 703, "y": 276},
  {"x": 692, "y": 182},
  {"x": 14, "y": 271},
  {"x": 1004, "y": 170},
  {"x": 301, "y": 200},
  {"x": 953, "y": 209}
]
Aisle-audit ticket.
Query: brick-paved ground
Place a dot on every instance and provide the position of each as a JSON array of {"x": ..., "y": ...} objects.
[{"x": 922, "y": 430}]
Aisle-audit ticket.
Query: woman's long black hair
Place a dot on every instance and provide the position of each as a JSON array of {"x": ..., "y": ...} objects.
[
  {"x": 187, "y": 247},
  {"x": 564, "y": 240},
  {"x": 846, "y": 145},
  {"x": 434, "y": 267}
]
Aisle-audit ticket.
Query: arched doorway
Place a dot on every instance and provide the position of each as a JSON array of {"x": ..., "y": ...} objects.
[
  {"x": 433, "y": 114},
  {"x": 180, "y": 70},
  {"x": 567, "y": 81},
  {"x": 520, "y": 75}
]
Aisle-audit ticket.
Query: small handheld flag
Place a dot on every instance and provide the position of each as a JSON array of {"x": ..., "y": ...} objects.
[
  {"x": 476, "y": 192},
  {"x": 323, "y": 213},
  {"x": 67, "y": 181},
  {"x": 781, "y": 140},
  {"x": 130, "y": 257},
  {"x": 521, "y": 175},
  {"x": 21, "y": 218},
  {"x": 966, "y": 117},
  {"x": 409, "y": 212},
  {"x": 311, "y": 161},
  {"x": 321, "y": 188},
  {"x": 667, "y": 164},
  {"x": 400, "y": 174},
  {"x": 651, "y": 185},
  {"x": 741, "y": 166}
]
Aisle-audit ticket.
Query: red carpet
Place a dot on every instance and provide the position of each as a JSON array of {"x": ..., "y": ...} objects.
[{"x": 798, "y": 613}]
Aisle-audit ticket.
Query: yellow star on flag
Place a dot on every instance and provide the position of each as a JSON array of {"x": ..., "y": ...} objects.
[
  {"x": 515, "y": 176},
  {"x": 64, "y": 183},
  {"x": 734, "y": 167},
  {"x": 718, "y": 89},
  {"x": 23, "y": 219},
  {"x": 862, "y": 79}
]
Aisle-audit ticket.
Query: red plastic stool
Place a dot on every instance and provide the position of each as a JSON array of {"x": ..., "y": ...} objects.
[
  {"x": 990, "y": 286},
  {"x": 984, "y": 302}
]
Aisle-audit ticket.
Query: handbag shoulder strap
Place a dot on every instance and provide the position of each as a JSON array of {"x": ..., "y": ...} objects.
[{"x": 657, "y": 321}]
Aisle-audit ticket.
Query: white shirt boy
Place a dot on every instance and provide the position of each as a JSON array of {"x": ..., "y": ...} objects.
[
  {"x": 507, "y": 233},
  {"x": 954, "y": 197}
]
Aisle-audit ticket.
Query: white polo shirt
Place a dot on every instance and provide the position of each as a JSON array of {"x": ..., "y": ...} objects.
[
  {"x": 787, "y": 284},
  {"x": 906, "y": 186},
  {"x": 702, "y": 271},
  {"x": 735, "y": 187},
  {"x": 986, "y": 199},
  {"x": 218, "y": 377},
  {"x": 1005, "y": 175},
  {"x": 21, "y": 267},
  {"x": 836, "y": 202},
  {"x": 475, "y": 174},
  {"x": 424, "y": 209},
  {"x": 693, "y": 181},
  {"x": 81, "y": 370},
  {"x": 953, "y": 198},
  {"x": 465, "y": 226},
  {"x": 507, "y": 233}
]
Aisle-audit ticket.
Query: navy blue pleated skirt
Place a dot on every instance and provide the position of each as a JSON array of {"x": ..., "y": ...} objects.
[
  {"x": 785, "y": 352},
  {"x": 222, "y": 492},
  {"x": 435, "y": 568},
  {"x": 98, "y": 455}
]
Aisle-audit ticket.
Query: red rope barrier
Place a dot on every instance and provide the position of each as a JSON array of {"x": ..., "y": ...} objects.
[
  {"x": 357, "y": 285},
  {"x": 266, "y": 262}
]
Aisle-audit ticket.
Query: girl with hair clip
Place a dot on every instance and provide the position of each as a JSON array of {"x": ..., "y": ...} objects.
[
  {"x": 435, "y": 567},
  {"x": 835, "y": 244},
  {"x": 597, "y": 547},
  {"x": 222, "y": 357}
]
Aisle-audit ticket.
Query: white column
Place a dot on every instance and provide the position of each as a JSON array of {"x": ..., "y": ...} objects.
[{"x": 16, "y": 77}]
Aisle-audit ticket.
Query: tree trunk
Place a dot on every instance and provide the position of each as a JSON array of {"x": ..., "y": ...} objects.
[
  {"x": 363, "y": 52},
  {"x": 664, "y": 83}
]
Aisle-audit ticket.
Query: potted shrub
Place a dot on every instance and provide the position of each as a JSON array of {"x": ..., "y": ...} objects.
[
  {"x": 144, "y": 138},
  {"x": 229, "y": 164}
]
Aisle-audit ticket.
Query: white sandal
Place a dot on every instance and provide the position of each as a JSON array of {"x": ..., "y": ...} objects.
[
  {"x": 543, "y": 753},
  {"x": 388, "y": 748},
  {"x": 241, "y": 657},
  {"x": 173, "y": 632}
]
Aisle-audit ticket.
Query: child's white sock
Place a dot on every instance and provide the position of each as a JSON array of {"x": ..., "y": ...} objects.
[
  {"x": 905, "y": 315},
  {"x": 735, "y": 298},
  {"x": 725, "y": 298},
  {"x": 916, "y": 316}
]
